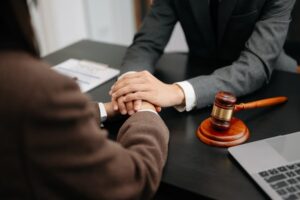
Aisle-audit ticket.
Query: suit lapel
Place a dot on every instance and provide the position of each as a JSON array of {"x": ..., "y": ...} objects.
[
  {"x": 200, "y": 10},
  {"x": 225, "y": 10}
]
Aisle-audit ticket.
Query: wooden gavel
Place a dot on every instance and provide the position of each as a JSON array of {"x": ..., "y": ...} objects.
[
  {"x": 221, "y": 129},
  {"x": 225, "y": 106}
]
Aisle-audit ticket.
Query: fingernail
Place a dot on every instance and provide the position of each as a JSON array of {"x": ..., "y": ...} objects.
[
  {"x": 110, "y": 92},
  {"x": 115, "y": 107},
  {"x": 130, "y": 112},
  {"x": 124, "y": 112},
  {"x": 137, "y": 107}
]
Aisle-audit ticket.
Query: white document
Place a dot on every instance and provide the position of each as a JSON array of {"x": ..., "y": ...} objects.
[{"x": 87, "y": 74}]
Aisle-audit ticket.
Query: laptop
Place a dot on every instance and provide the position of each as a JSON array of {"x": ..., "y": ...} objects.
[{"x": 273, "y": 163}]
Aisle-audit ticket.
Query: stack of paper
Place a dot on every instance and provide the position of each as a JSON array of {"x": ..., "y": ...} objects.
[{"x": 87, "y": 74}]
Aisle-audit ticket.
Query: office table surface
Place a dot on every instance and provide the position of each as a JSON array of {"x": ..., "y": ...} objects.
[{"x": 193, "y": 166}]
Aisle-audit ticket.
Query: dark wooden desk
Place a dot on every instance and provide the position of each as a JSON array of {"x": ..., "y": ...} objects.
[{"x": 193, "y": 167}]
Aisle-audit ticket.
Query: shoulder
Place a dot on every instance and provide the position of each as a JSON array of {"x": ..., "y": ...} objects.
[{"x": 32, "y": 87}]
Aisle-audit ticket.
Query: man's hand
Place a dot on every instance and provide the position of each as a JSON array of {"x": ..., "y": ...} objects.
[
  {"x": 128, "y": 107},
  {"x": 144, "y": 86}
]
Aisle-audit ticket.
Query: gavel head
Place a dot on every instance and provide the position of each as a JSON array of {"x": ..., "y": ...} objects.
[{"x": 223, "y": 109}]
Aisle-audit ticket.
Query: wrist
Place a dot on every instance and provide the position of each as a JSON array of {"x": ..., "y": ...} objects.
[
  {"x": 109, "y": 110},
  {"x": 179, "y": 98},
  {"x": 146, "y": 105}
]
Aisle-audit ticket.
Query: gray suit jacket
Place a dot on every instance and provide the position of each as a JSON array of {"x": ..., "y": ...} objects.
[{"x": 248, "y": 42}]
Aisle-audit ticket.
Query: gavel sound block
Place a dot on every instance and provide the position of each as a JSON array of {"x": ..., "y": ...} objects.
[{"x": 224, "y": 130}]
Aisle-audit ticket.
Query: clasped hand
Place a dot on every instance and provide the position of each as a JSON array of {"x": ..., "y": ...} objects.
[{"x": 129, "y": 92}]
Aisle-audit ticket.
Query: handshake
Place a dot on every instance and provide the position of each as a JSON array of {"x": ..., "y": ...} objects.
[{"x": 141, "y": 90}]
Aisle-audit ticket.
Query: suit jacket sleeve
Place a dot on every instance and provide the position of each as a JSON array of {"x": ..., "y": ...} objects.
[
  {"x": 150, "y": 41},
  {"x": 69, "y": 157},
  {"x": 256, "y": 62}
]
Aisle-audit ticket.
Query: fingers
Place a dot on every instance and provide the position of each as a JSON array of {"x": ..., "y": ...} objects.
[
  {"x": 131, "y": 89},
  {"x": 130, "y": 75},
  {"x": 114, "y": 104},
  {"x": 131, "y": 85},
  {"x": 131, "y": 79},
  {"x": 123, "y": 83},
  {"x": 158, "y": 108},
  {"x": 122, "y": 106},
  {"x": 130, "y": 108},
  {"x": 145, "y": 96},
  {"x": 137, "y": 105},
  {"x": 127, "y": 107}
]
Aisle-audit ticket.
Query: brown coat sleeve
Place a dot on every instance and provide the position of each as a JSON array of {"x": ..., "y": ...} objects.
[{"x": 69, "y": 157}]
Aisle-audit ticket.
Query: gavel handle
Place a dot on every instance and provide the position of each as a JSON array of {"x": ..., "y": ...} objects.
[{"x": 260, "y": 103}]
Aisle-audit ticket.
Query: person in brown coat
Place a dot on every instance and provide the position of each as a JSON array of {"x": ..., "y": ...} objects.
[{"x": 51, "y": 146}]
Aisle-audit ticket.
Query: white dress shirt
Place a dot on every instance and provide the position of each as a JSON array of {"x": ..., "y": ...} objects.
[{"x": 190, "y": 96}]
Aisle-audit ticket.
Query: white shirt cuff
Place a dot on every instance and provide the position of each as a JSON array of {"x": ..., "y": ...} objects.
[
  {"x": 190, "y": 96},
  {"x": 148, "y": 110},
  {"x": 103, "y": 113}
]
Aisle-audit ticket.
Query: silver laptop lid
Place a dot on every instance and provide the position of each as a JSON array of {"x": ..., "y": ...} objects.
[{"x": 269, "y": 153}]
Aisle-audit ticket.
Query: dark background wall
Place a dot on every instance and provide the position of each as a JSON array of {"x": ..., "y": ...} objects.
[
  {"x": 294, "y": 34},
  {"x": 292, "y": 46}
]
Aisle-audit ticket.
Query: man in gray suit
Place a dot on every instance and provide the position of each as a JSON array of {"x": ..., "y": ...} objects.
[{"x": 241, "y": 40}]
